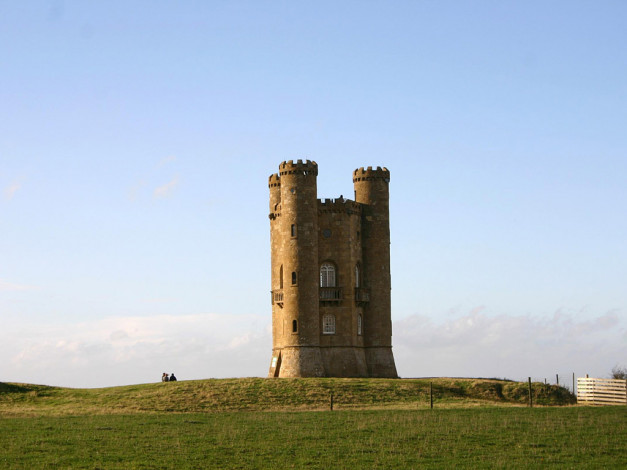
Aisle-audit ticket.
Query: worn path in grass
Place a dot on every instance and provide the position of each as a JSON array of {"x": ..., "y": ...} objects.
[{"x": 257, "y": 394}]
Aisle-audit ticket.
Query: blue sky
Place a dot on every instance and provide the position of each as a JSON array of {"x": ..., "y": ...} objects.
[{"x": 136, "y": 139}]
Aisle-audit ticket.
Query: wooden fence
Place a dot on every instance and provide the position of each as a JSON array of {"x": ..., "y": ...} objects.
[{"x": 601, "y": 391}]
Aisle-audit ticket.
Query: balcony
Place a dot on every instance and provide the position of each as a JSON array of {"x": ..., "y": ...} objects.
[
  {"x": 330, "y": 294},
  {"x": 277, "y": 297},
  {"x": 362, "y": 295}
]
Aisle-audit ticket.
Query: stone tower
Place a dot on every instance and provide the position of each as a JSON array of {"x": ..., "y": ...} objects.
[{"x": 330, "y": 262}]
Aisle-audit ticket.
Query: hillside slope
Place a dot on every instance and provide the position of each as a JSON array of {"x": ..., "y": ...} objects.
[{"x": 257, "y": 394}]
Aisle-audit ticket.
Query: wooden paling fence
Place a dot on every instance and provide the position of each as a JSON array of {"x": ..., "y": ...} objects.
[{"x": 601, "y": 391}]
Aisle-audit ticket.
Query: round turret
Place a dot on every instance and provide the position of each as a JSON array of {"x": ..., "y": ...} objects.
[
  {"x": 274, "y": 183},
  {"x": 372, "y": 191},
  {"x": 296, "y": 331}
]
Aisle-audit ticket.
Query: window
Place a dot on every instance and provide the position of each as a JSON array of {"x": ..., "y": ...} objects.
[
  {"x": 281, "y": 277},
  {"x": 359, "y": 324},
  {"x": 328, "y": 324},
  {"x": 293, "y": 230},
  {"x": 327, "y": 275},
  {"x": 293, "y": 278},
  {"x": 357, "y": 279},
  {"x": 294, "y": 326}
]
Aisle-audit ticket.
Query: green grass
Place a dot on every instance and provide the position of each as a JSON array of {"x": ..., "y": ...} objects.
[
  {"x": 255, "y": 394},
  {"x": 286, "y": 423},
  {"x": 568, "y": 437}
]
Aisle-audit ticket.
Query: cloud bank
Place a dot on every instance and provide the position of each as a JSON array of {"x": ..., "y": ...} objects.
[
  {"x": 128, "y": 350},
  {"x": 515, "y": 347}
]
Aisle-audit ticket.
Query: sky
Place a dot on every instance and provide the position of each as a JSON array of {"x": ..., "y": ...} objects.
[{"x": 136, "y": 141}]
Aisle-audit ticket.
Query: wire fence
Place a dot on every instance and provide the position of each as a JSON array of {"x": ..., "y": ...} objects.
[{"x": 567, "y": 380}]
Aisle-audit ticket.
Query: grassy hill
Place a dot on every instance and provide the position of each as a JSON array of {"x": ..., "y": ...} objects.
[{"x": 257, "y": 394}]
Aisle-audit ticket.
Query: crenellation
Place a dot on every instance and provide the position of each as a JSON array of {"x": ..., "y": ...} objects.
[
  {"x": 339, "y": 205},
  {"x": 305, "y": 168},
  {"x": 274, "y": 180},
  {"x": 369, "y": 174}
]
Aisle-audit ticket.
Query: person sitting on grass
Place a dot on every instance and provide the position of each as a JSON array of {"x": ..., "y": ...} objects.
[
  {"x": 172, "y": 378},
  {"x": 164, "y": 377}
]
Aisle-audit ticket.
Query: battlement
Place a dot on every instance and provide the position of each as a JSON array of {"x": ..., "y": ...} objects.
[
  {"x": 307, "y": 167},
  {"x": 368, "y": 174},
  {"x": 274, "y": 181},
  {"x": 339, "y": 205}
]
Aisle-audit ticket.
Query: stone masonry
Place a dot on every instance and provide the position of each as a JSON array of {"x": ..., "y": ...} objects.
[{"x": 331, "y": 313}]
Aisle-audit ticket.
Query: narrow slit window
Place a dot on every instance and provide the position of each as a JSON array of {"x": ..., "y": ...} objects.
[
  {"x": 281, "y": 277},
  {"x": 359, "y": 324},
  {"x": 294, "y": 326},
  {"x": 293, "y": 230},
  {"x": 293, "y": 278},
  {"x": 357, "y": 278}
]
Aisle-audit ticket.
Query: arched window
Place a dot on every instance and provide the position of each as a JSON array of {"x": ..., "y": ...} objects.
[
  {"x": 359, "y": 324},
  {"x": 294, "y": 326},
  {"x": 281, "y": 277},
  {"x": 357, "y": 276},
  {"x": 327, "y": 275},
  {"x": 328, "y": 324}
]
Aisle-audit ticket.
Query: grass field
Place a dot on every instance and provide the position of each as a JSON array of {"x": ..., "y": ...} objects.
[
  {"x": 375, "y": 424},
  {"x": 450, "y": 438}
]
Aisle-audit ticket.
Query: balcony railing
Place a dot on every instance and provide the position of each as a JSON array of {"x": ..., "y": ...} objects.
[
  {"x": 330, "y": 294},
  {"x": 277, "y": 297},
  {"x": 362, "y": 295}
]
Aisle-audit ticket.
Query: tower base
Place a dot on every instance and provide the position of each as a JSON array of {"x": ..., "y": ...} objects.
[
  {"x": 314, "y": 361},
  {"x": 300, "y": 361},
  {"x": 380, "y": 361}
]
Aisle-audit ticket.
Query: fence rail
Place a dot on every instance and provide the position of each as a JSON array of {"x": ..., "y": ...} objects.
[{"x": 601, "y": 391}]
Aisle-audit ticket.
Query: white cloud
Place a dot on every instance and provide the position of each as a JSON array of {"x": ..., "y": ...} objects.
[
  {"x": 482, "y": 345},
  {"x": 9, "y": 286},
  {"x": 126, "y": 350},
  {"x": 10, "y": 190},
  {"x": 166, "y": 189}
]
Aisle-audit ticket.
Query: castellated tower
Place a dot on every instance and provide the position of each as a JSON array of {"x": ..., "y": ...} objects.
[{"x": 330, "y": 262}]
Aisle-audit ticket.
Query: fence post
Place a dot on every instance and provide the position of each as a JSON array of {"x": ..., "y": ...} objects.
[
  {"x": 331, "y": 400},
  {"x": 431, "y": 394},
  {"x": 530, "y": 395},
  {"x": 557, "y": 379}
]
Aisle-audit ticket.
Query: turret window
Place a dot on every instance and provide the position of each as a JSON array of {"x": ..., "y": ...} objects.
[
  {"x": 293, "y": 230},
  {"x": 327, "y": 275},
  {"x": 294, "y": 278},
  {"x": 294, "y": 326},
  {"x": 281, "y": 277},
  {"x": 328, "y": 324},
  {"x": 357, "y": 276},
  {"x": 359, "y": 324}
]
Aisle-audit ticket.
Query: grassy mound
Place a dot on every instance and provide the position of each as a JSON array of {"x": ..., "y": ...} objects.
[{"x": 257, "y": 394}]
